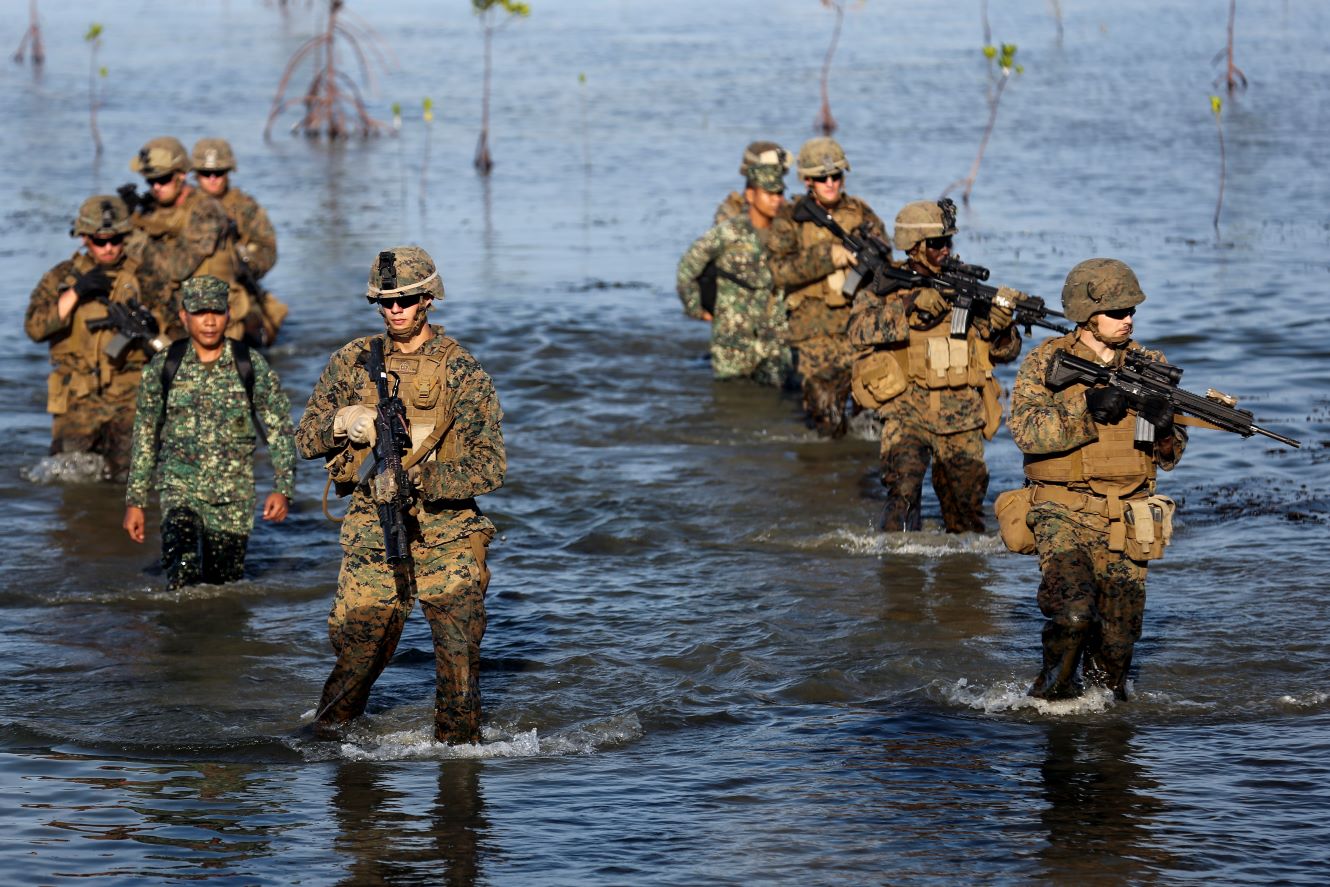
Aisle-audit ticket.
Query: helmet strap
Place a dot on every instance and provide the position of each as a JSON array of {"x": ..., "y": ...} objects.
[{"x": 1114, "y": 342}]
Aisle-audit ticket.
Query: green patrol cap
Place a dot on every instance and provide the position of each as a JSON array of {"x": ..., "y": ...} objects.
[
  {"x": 206, "y": 293},
  {"x": 767, "y": 178}
]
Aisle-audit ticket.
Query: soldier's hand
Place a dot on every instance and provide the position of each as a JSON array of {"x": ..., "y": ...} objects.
[
  {"x": 356, "y": 423},
  {"x": 1003, "y": 310},
  {"x": 275, "y": 507},
  {"x": 1156, "y": 410},
  {"x": 841, "y": 257},
  {"x": 931, "y": 302},
  {"x": 1107, "y": 406},
  {"x": 133, "y": 522},
  {"x": 92, "y": 284}
]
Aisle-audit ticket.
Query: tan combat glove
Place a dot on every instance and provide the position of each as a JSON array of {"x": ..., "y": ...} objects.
[
  {"x": 841, "y": 257},
  {"x": 1004, "y": 303},
  {"x": 356, "y": 423},
  {"x": 930, "y": 301}
]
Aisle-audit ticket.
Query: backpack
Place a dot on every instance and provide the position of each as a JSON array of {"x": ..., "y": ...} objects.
[{"x": 244, "y": 367}]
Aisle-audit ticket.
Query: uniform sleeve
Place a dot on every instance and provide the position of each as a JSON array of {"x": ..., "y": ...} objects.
[
  {"x": 707, "y": 247},
  {"x": 258, "y": 240},
  {"x": 730, "y": 207},
  {"x": 274, "y": 411},
  {"x": 334, "y": 390},
  {"x": 878, "y": 320},
  {"x": 478, "y": 422},
  {"x": 1179, "y": 432},
  {"x": 1005, "y": 346},
  {"x": 173, "y": 259},
  {"x": 1041, "y": 422},
  {"x": 143, "y": 446},
  {"x": 792, "y": 266},
  {"x": 42, "y": 320}
]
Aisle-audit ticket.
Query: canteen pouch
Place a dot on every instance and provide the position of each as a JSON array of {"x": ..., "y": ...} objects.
[
  {"x": 1012, "y": 507},
  {"x": 57, "y": 393},
  {"x": 877, "y": 377},
  {"x": 1148, "y": 525}
]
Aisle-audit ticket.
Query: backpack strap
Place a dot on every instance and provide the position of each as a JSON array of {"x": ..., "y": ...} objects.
[{"x": 244, "y": 368}]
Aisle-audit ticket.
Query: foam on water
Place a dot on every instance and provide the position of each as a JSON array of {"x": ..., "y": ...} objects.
[
  {"x": 66, "y": 468},
  {"x": 1011, "y": 696},
  {"x": 930, "y": 542}
]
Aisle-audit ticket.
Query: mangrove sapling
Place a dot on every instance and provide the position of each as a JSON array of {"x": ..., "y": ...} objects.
[
  {"x": 94, "y": 40},
  {"x": 1233, "y": 78},
  {"x": 32, "y": 39},
  {"x": 825, "y": 123},
  {"x": 427, "y": 114},
  {"x": 1057, "y": 17},
  {"x": 1217, "y": 108},
  {"x": 334, "y": 103},
  {"x": 487, "y": 12},
  {"x": 1007, "y": 67}
]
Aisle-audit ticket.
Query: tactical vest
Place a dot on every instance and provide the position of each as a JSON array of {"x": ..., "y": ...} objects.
[
  {"x": 82, "y": 366},
  {"x": 423, "y": 388},
  {"x": 849, "y": 213},
  {"x": 221, "y": 263}
]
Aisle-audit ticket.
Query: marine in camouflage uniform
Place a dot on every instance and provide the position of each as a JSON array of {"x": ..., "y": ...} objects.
[
  {"x": 756, "y": 154},
  {"x": 810, "y": 265},
  {"x": 183, "y": 233},
  {"x": 936, "y": 395},
  {"x": 1086, "y": 472},
  {"x": 749, "y": 329},
  {"x": 202, "y": 453},
  {"x": 457, "y": 454},
  {"x": 91, "y": 392}
]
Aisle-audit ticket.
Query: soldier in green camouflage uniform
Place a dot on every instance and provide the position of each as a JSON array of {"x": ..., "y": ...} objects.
[
  {"x": 182, "y": 233},
  {"x": 1084, "y": 466},
  {"x": 91, "y": 392},
  {"x": 941, "y": 410},
  {"x": 810, "y": 265},
  {"x": 749, "y": 329},
  {"x": 756, "y": 154},
  {"x": 457, "y": 453},
  {"x": 200, "y": 446}
]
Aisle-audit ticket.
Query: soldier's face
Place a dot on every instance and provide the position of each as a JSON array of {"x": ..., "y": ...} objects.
[
  {"x": 206, "y": 328},
  {"x": 105, "y": 250},
  {"x": 1115, "y": 326},
  {"x": 765, "y": 202},
  {"x": 399, "y": 314},
  {"x": 166, "y": 189},
  {"x": 212, "y": 182},
  {"x": 827, "y": 189}
]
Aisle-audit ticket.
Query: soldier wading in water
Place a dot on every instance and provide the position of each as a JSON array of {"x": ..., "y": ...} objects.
[
  {"x": 455, "y": 453},
  {"x": 1093, "y": 516}
]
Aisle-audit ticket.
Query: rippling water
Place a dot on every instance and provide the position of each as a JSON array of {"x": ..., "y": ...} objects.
[{"x": 703, "y": 664}]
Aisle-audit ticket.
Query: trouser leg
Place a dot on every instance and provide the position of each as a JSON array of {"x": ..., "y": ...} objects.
[
  {"x": 364, "y": 626},
  {"x": 182, "y": 531},
  {"x": 1121, "y": 608},
  {"x": 223, "y": 556},
  {"x": 1067, "y": 594},
  {"x": 452, "y": 597},
  {"x": 960, "y": 479},
  {"x": 824, "y": 365},
  {"x": 905, "y": 455}
]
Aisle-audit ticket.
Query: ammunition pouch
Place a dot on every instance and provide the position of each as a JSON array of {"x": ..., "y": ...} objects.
[
  {"x": 1140, "y": 528},
  {"x": 1012, "y": 509},
  {"x": 877, "y": 378},
  {"x": 63, "y": 386}
]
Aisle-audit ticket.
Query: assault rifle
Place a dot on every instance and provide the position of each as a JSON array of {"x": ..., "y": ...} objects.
[
  {"x": 968, "y": 296},
  {"x": 389, "y": 484},
  {"x": 134, "y": 200},
  {"x": 1140, "y": 378},
  {"x": 133, "y": 324}
]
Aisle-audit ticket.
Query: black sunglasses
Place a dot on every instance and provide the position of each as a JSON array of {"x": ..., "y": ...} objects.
[
  {"x": 116, "y": 239},
  {"x": 387, "y": 302},
  {"x": 939, "y": 242},
  {"x": 162, "y": 180},
  {"x": 211, "y": 173},
  {"x": 835, "y": 177},
  {"x": 1119, "y": 313}
]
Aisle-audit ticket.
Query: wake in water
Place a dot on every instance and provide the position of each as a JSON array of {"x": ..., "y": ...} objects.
[{"x": 66, "y": 468}]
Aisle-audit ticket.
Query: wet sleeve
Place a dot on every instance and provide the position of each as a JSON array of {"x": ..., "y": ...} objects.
[
  {"x": 1040, "y": 421},
  {"x": 792, "y": 266},
  {"x": 274, "y": 411},
  {"x": 1005, "y": 346},
  {"x": 878, "y": 320},
  {"x": 483, "y": 461},
  {"x": 143, "y": 445},
  {"x": 334, "y": 390},
  {"x": 258, "y": 239},
  {"x": 42, "y": 320},
  {"x": 707, "y": 247}
]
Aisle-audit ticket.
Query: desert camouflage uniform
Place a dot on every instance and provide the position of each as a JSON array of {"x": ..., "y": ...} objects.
[
  {"x": 733, "y": 205},
  {"x": 90, "y": 395},
  {"x": 801, "y": 266},
  {"x": 255, "y": 238},
  {"x": 1093, "y": 598},
  {"x": 203, "y": 460},
  {"x": 944, "y": 424},
  {"x": 448, "y": 535},
  {"x": 748, "y": 330}
]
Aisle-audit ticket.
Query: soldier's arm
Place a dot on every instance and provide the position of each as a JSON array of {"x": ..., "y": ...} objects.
[
  {"x": 334, "y": 390},
  {"x": 478, "y": 421},
  {"x": 274, "y": 411},
  {"x": 1041, "y": 423},
  {"x": 792, "y": 266},
  {"x": 1168, "y": 450},
  {"x": 143, "y": 446},
  {"x": 877, "y": 320},
  {"x": 707, "y": 247},
  {"x": 43, "y": 319},
  {"x": 204, "y": 233},
  {"x": 258, "y": 239},
  {"x": 1005, "y": 346}
]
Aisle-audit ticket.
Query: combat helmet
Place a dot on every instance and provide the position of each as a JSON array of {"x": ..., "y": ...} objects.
[
  {"x": 1097, "y": 285},
  {"x": 821, "y": 156},
  {"x": 764, "y": 154},
  {"x": 404, "y": 271},
  {"x": 159, "y": 157},
  {"x": 921, "y": 220},
  {"x": 213, "y": 155},
  {"x": 102, "y": 216}
]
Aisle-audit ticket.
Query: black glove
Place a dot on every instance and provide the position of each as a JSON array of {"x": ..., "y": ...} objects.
[
  {"x": 1107, "y": 406},
  {"x": 92, "y": 285},
  {"x": 1156, "y": 410}
]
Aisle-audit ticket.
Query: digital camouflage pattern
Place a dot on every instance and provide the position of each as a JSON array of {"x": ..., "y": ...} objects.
[
  {"x": 90, "y": 394},
  {"x": 213, "y": 155},
  {"x": 1099, "y": 285},
  {"x": 748, "y": 330},
  {"x": 104, "y": 215},
  {"x": 175, "y": 243},
  {"x": 192, "y": 552},
  {"x": 943, "y": 425},
  {"x": 254, "y": 237},
  {"x": 372, "y": 602},
  {"x": 733, "y": 205},
  {"x": 411, "y": 270},
  {"x": 822, "y": 156},
  {"x": 206, "y": 293},
  {"x": 160, "y": 156},
  {"x": 203, "y": 459},
  {"x": 1093, "y": 598},
  {"x": 447, "y": 533}
]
